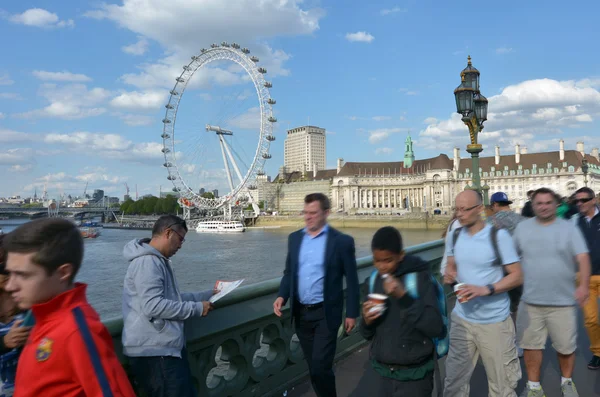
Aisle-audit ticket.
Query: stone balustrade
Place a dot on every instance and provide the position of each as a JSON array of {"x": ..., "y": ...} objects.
[{"x": 242, "y": 349}]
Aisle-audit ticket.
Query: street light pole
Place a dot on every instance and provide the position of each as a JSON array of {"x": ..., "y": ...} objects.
[
  {"x": 584, "y": 169},
  {"x": 473, "y": 106}
]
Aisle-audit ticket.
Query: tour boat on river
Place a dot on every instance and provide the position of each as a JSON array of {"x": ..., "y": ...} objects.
[
  {"x": 220, "y": 227},
  {"x": 90, "y": 229}
]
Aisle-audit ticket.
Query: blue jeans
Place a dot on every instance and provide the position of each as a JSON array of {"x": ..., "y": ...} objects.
[{"x": 164, "y": 376}]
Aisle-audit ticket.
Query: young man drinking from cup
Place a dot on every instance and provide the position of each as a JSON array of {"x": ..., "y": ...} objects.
[{"x": 400, "y": 327}]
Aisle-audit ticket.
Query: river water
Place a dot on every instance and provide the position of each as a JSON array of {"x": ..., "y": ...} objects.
[{"x": 257, "y": 255}]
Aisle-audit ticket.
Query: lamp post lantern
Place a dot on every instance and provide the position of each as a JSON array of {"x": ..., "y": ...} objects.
[
  {"x": 584, "y": 169},
  {"x": 473, "y": 107}
]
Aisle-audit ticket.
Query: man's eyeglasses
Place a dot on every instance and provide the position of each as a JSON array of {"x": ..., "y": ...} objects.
[
  {"x": 459, "y": 210},
  {"x": 583, "y": 200},
  {"x": 170, "y": 227}
]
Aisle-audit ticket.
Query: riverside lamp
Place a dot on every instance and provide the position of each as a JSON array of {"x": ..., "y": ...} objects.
[
  {"x": 473, "y": 107},
  {"x": 584, "y": 169}
]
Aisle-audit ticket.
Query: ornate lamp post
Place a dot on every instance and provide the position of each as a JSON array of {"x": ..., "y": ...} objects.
[
  {"x": 584, "y": 169},
  {"x": 473, "y": 106}
]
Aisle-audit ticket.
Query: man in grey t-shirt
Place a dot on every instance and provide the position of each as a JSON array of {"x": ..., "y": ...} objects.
[{"x": 550, "y": 249}]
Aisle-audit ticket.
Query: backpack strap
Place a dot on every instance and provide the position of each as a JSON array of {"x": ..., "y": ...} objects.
[
  {"x": 494, "y": 241},
  {"x": 455, "y": 235}
]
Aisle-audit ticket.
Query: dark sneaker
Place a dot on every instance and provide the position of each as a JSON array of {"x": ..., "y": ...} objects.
[{"x": 594, "y": 363}]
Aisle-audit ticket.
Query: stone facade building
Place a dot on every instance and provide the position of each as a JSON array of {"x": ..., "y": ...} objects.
[{"x": 431, "y": 184}]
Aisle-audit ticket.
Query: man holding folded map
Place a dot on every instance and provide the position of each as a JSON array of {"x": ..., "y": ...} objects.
[{"x": 154, "y": 311}]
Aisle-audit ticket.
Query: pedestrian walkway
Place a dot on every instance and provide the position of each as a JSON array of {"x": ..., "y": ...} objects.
[{"x": 353, "y": 374}]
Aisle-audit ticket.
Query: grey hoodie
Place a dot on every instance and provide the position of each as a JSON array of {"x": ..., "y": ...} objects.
[{"x": 153, "y": 307}]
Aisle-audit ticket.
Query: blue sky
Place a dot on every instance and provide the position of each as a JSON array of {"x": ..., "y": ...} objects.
[{"x": 83, "y": 84}]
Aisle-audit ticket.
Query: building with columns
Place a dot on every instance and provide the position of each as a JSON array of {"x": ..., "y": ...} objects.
[{"x": 432, "y": 184}]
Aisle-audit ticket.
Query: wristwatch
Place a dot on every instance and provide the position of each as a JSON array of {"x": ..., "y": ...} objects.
[{"x": 491, "y": 288}]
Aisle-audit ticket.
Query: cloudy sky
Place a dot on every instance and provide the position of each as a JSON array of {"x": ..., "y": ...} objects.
[{"x": 83, "y": 84}]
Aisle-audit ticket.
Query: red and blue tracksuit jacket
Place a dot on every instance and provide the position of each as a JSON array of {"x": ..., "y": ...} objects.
[{"x": 70, "y": 353}]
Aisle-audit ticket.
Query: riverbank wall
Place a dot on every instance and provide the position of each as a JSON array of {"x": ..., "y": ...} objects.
[{"x": 410, "y": 221}]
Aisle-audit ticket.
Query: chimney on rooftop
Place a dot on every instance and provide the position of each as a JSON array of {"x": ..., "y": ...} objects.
[
  {"x": 524, "y": 150},
  {"x": 456, "y": 158},
  {"x": 340, "y": 164},
  {"x": 561, "y": 150},
  {"x": 581, "y": 148},
  {"x": 595, "y": 154},
  {"x": 517, "y": 153},
  {"x": 497, "y": 159}
]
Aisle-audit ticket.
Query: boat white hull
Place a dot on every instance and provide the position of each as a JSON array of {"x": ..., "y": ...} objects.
[{"x": 220, "y": 227}]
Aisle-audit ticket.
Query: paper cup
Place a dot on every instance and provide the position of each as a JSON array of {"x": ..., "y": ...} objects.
[
  {"x": 378, "y": 299},
  {"x": 459, "y": 297},
  {"x": 377, "y": 309}
]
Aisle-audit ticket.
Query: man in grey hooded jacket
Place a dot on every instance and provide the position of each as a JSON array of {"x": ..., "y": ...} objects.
[{"x": 154, "y": 311}]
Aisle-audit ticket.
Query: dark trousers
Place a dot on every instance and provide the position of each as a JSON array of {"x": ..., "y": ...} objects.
[
  {"x": 163, "y": 376},
  {"x": 386, "y": 387},
  {"x": 318, "y": 344}
]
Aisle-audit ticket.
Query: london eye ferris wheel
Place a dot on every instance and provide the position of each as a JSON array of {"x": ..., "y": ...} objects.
[{"x": 214, "y": 141}]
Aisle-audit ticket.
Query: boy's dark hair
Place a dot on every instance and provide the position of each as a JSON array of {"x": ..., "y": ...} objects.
[
  {"x": 387, "y": 238},
  {"x": 168, "y": 222},
  {"x": 53, "y": 241},
  {"x": 587, "y": 191},
  {"x": 545, "y": 190},
  {"x": 321, "y": 198},
  {"x": 2, "y": 257}
]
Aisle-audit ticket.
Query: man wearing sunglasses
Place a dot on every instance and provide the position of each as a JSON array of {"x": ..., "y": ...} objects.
[
  {"x": 588, "y": 221},
  {"x": 154, "y": 311}
]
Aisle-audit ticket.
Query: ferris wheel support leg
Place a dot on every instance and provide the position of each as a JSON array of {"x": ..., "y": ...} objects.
[
  {"x": 223, "y": 148},
  {"x": 186, "y": 213},
  {"x": 235, "y": 166}
]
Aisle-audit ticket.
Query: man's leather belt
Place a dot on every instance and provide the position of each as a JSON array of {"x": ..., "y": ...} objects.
[{"x": 309, "y": 307}]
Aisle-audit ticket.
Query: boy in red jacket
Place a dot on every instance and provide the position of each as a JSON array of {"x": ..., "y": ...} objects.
[{"x": 69, "y": 352}]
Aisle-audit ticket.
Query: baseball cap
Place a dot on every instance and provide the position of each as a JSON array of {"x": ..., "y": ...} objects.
[{"x": 500, "y": 197}]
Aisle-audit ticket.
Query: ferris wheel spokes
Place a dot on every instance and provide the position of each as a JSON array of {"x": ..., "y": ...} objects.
[{"x": 225, "y": 149}]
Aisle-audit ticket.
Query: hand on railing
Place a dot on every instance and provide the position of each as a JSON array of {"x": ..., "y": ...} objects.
[{"x": 277, "y": 306}]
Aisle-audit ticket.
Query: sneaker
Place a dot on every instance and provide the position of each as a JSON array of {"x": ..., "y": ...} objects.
[
  {"x": 594, "y": 363},
  {"x": 569, "y": 390},
  {"x": 527, "y": 392}
]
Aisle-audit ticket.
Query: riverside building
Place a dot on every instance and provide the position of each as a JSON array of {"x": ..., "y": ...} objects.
[{"x": 431, "y": 184}]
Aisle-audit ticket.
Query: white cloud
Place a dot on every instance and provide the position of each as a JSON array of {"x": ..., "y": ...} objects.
[
  {"x": 361, "y": 37},
  {"x": 503, "y": 50},
  {"x": 384, "y": 150},
  {"x": 188, "y": 168},
  {"x": 136, "y": 120},
  {"x": 206, "y": 96},
  {"x": 250, "y": 120},
  {"x": 176, "y": 25},
  {"x": 389, "y": 11},
  {"x": 41, "y": 18},
  {"x": 148, "y": 100},
  {"x": 6, "y": 80},
  {"x": 524, "y": 113},
  {"x": 381, "y": 118},
  {"x": 354, "y": 118},
  {"x": 138, "y": 48},
  {"x": 2, "y": 116},
  {"x": 21, "y": 167},
  {"x": 10, "y": 136},
  {"x": 69, "y": 102},
  {"x": 112, "y": 146},
  {"x": 430, "y": 120},
  {"x": 17, "y": 156},
  {"x": 381, "y": 134},
  {"x": 63, "y": 76}
]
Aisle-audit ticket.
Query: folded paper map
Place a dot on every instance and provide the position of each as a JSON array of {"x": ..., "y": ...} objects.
[{"x": 223, "y": 288}]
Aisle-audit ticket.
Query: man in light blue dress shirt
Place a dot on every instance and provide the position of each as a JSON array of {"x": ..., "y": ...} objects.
[{"x": 318, "y": 259}]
